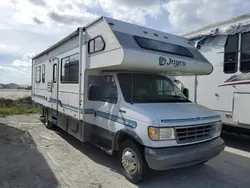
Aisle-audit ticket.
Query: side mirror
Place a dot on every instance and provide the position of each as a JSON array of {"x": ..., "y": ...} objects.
[
  {"x": 186, "y": 92},
  {"x": 94, "y": 93}
]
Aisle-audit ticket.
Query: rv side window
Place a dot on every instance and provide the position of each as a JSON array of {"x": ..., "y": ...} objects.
[
  {"x": 107, "y": 88},
  {"x": 96, "y": 44},
  {"x": 38, "y": 74},
  {"x": 70, "y": 69},
  {"x": 99, "y": 44},
  {"x": 91, "y": 46},
  {"x": 245, "y": 53},
  {"x": 231, "y": 54},
  {"x": 43, "y": 73},
  {"x": 162, "y": 46},
  {"x": 54, "y": 73}
]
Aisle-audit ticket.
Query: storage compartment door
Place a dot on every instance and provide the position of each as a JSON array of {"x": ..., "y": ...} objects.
[{"x": 241, "y": 110}]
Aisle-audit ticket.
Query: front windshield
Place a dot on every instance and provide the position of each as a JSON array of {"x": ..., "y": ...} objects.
[{"x": 148, "y": 88}]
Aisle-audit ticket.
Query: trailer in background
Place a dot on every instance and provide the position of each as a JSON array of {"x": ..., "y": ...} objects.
[{"x": 227, "y": 89}]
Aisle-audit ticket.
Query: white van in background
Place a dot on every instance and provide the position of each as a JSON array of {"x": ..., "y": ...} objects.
[{"x": 104, "y": 84}]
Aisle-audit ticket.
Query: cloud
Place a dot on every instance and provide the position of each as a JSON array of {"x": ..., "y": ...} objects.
[
  {"x": 66, "y": 18},
  {"x": 190, "y": 14},
  {"x": 138, "y": 3},
  {"x": 51, "y": 12},
  {"x": 36, "y": 38},
  {"x": 8, "y": 49},
  {"x": 38, "y": 2},
  {"x": 14, "y": 75},
  {"x": 36, "y": 20},
  {"x": 21, "y": 64},
  {"x": 27, "y": 26},
  {"x": 8, "y": 69},
  {"x": 24, "y": 62},
  {"x": 23, "y": 12},
  {"x": 34, "y": 25},
  {"x": 71, "y": 12},
  {"x": 132, "y": 11},
  {"x": 19, "y": 71}
]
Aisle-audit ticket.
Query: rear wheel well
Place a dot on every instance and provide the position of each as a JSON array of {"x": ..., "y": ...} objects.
[{"x": 44, "y": 110}]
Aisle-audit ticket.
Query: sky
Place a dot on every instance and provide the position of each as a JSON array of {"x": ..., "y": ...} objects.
[{"x": 27, "y": 27}]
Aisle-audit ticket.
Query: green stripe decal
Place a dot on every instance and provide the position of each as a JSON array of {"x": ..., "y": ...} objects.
[
  {"x": 89, "y": 111},
  {"x": 117, "y": 119},
  {"x": 105, "y": 115}
]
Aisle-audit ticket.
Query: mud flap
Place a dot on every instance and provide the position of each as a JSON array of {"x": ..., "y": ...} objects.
[{"x": 241, "y": 108}]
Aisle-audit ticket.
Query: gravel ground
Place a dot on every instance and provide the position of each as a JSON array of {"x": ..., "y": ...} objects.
[
  {"x": 32, "y": 156},
  {"x": 14, "y": 93}
]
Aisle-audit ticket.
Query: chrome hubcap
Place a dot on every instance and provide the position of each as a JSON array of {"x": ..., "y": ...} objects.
[{"x": 129, "y": 161}]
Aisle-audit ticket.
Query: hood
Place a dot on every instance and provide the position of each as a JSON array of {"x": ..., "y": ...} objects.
[{"x": 178, "y": 114}]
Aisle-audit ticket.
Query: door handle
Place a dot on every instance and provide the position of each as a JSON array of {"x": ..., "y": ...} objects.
[
  {"x": 60, "y": 103},
  {"x": 122, "y": 111},
  {"x": 95, "y": 113}
]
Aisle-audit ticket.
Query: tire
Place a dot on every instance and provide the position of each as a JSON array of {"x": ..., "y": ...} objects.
[
  {"x": 47, "y": 123},
  {"x": 131, "y": 150}
]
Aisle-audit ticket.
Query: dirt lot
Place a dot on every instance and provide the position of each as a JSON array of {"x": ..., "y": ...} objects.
[
  {"x": 14, "y": 93},
  {"x": 32, "y": 156}
]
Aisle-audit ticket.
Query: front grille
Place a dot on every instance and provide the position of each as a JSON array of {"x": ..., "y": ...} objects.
[{"x": 194, "y": 133}]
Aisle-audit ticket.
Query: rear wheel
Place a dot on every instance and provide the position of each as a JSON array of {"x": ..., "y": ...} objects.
[
  {"x": 132, "y": 161},
  {"x": 47, "y": 123}
]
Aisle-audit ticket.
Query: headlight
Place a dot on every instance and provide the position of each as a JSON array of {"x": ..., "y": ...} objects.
[
  {"x": 218, "y": 126},
  {"x": 161, "y": 133}
]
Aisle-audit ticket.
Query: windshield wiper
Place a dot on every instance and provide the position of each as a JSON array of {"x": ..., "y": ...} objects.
[
  {"x": 150, "y": 99},
  {"x": 179, "y": 97}
]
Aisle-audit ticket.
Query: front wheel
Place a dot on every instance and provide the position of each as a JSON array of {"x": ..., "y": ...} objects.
[{"x": 133, "y": 163}]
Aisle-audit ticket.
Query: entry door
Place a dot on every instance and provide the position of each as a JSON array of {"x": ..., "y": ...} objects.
[{"x": 54, "y": 84}]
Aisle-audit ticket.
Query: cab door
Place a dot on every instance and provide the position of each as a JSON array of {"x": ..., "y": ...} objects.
[{"x": 104, "y": 107}]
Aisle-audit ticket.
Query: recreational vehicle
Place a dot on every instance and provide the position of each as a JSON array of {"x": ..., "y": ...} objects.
[
  {"x": 227, "y": 46},
  {"x": 105, "y": 83}
]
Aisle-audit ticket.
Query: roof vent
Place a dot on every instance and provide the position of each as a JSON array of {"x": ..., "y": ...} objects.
[{"x": 111, "y": 24}]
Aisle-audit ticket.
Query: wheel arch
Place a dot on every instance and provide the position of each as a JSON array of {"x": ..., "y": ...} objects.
[{"x": 125, "y": 134}]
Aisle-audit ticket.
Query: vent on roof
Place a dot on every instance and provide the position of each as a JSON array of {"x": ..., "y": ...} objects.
[{"x": 111, "y": 24}]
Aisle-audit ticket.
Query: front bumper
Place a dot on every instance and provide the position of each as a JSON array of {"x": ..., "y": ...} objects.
[{"x": 176, "y": 157}]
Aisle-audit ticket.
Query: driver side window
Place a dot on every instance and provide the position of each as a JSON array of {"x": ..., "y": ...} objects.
[{"x": 108, "y": 89}]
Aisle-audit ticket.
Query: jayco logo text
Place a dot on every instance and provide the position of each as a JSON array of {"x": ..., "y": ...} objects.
[{"x": 176, "y": 63}]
